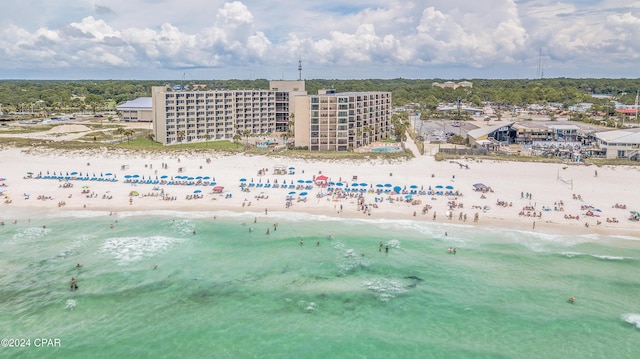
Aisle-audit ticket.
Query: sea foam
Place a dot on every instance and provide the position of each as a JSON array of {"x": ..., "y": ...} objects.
[{"x": 631, "y": 318}]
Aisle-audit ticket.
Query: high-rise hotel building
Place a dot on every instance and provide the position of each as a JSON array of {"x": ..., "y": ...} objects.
[
  {"x": 328, "y": 121},
  {"x": 194, "y": 116},
  {"x": 331, "y": 121}
]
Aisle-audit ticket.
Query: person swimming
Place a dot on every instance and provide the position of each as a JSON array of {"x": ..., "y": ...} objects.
[
  {"x": 74, "y": 285},
  {"x": 572, "y": 299}
]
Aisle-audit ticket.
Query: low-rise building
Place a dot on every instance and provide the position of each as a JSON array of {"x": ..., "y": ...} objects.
[{"x": 138, "y": 110}]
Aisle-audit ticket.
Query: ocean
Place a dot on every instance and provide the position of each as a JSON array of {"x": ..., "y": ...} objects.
[{"x": 216, "y": 285}]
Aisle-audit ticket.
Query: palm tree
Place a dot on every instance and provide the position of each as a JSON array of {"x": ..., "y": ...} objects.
[
  {"x": 246, "y": 134},
  {"x": 120, "y": 131},
  {"x": 151, "y": 137},
  {"x": 236, "y": 139},
  {"x": 180, "y": 136},
  {"x": 129, "y": 133}
]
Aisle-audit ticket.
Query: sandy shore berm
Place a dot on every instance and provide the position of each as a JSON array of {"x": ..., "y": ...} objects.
[{"x": 564, "y": 198}]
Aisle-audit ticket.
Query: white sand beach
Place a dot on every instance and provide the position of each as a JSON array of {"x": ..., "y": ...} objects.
[{"x": 564, "y": 198}]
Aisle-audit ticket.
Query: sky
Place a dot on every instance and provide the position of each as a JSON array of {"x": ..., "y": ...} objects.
[{"x": 334, "y": 39}]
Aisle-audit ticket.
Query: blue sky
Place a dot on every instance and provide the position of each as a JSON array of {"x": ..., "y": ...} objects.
[{"x": 249, "y": 39}]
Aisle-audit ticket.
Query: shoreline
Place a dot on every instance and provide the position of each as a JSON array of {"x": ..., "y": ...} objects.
[{"x": 521, "y": 187}]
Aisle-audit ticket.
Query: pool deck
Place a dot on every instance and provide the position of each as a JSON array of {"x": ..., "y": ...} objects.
[{"x": 370, "y": 147}]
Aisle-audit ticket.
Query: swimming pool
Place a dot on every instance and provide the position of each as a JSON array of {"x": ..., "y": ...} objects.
[{"x": 386, "y": 149}]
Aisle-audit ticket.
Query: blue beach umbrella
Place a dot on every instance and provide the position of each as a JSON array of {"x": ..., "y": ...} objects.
[
  {"x": 413, "y": 186},
  {"x": 163, "y": 176},
  {"x": 300, "y": 181},
  {"x": 108, "y": 174},
  {"x": 439, "y": 186},
  {"x": 379, "y": 185},
  {"x": 397, "y": 189},
  {"x": 354, "y": 185},
  {"x": 387, "y": 185},
  {"x": 199, "y": 177},
  {"x": 127, "y": 176},
  {"x": 363, "y": 184},
  {"x": 449, "y": 187},
  {"x": 303, "y": 193},
  {"x": 339, "y": 184},
  {"x": 292, "y": 192},
  {"x": 197, "y": 191},
  {"x": 74, "y": 173},
  {"x": 206, "y": 177},
  {"x": 243, "y": 180},
  {"x": 136, "y": 176}
]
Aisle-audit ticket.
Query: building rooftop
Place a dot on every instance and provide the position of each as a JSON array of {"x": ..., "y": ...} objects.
[{"x": 144, "y": 103}]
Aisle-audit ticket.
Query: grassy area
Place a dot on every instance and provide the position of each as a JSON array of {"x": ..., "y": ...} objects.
[{"x": 17, "y": 129}]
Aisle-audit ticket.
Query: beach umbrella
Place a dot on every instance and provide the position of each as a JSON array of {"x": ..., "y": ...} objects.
[
  {"x": 292, "y": 168},
  {"x": 190, "y": 178},
  {"x": 108, "y": 174},
  {"x": 388, "y": 185},
  {"x": 292, "y": 192},
  {"x": 439, "y": 186},
  {"x": 408, "y": 196},
  {"x": 379, "y": 185},
  {"x": 363, "y": 184},
  {"x": 339, "y": 184},
  {"x": 332, "y": 183},
  {"x": 354, "y": 185},
  {"x": 163, "y": 176},
  {"x": 133, "y": 193},
  {"x": 397, "y": 189},
  {"x": 197, "y": 191},
  {"x": 243, "y": 180},
  {"x": 74, "y": 173},
  {"x": 308, "y": 181},
  {"x": 413, "y": 186},
  {"x": 303, "y": 193},
  {"x": 127, "y": 176},
  {"x": 206, "y": 177},
  {"x": 300, "y": 181},
  {"x": 135, "y": 176},
  {"x": 199, "y": 177},
  {"x": 449, "y": 187}
]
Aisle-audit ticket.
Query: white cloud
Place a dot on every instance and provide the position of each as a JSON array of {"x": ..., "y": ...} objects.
[{"x": 364, "y": 34}]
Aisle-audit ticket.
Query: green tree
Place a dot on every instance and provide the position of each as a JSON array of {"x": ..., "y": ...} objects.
[{"x": 236, "y": 139}]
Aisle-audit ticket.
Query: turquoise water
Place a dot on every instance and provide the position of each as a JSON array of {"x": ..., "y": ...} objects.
[
  {"x": 231, "y": 292},
  {"x": 385, "y": 149}
]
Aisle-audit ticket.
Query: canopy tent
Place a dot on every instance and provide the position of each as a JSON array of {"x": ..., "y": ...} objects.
[
  {"x": 218, "y": 189},
  {"x": 479, "y": 187},
  {"x": 321, "y": 178}
]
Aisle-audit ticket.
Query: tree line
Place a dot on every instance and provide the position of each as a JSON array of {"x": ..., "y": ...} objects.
[{"x": 64, "y": 96}]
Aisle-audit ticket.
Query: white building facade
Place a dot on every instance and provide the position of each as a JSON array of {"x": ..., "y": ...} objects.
[
  {"x": 332, "y": 121},
  {"x": 196, "y": 116}
]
